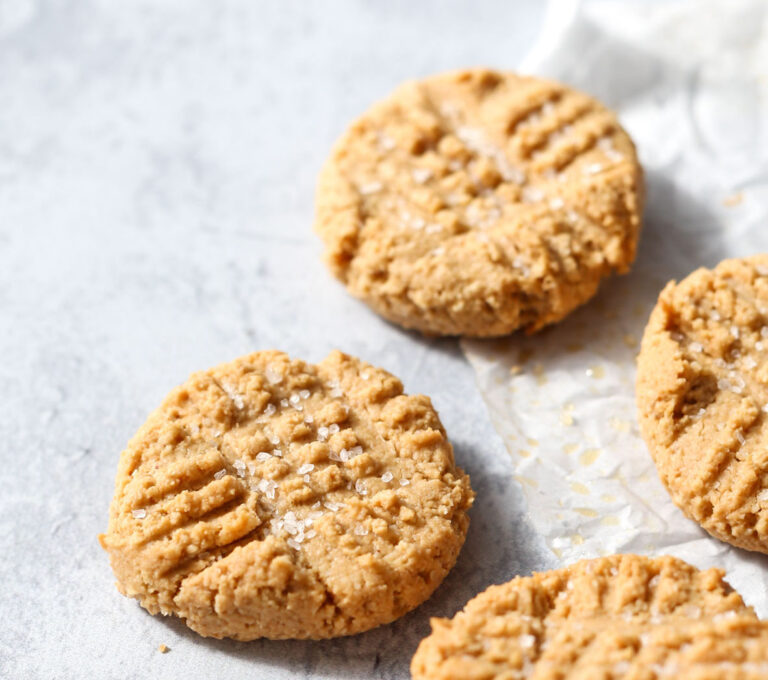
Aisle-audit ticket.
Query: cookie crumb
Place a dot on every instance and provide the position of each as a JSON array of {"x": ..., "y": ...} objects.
[
  {"x": 733, "y": 199},
  {"x": 163, "y": 649}
]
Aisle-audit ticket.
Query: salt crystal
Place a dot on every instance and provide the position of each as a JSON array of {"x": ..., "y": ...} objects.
[
  {"x": 267, "y": 487},
  {"x": 333, "y": 429},
  {"x": 277, "y": 452},
  {"x": 294, "y": 399},
  {"x": 532, "y": 194},
  {"x": 387, "y": 477},
  {"x": 556, "y": 203},
  {"x": 239, "y": 466},
  {"x": 307, "y": 479},
  {"x": 322, "y": 433},
  {"x": 749, "y": 363},
  {"x": 370, "y": 188},
  {"x": 237, "y": 399},
  {"x": 330, "y": 505},
  {"x": 759, "y": 346},
  {"x": 220, "y": 474},
  {"x": 269, "y": 410},
  {"x": 284, "y": 403},
  {"x": 309, "y": 419},
  {"x": 336, "y": 393},
  {"x": 604, "y": 143},
  {"x": 304, "y": 469},
  {"x": 139, "y": 514},
  {"x": 360, "y": 487},
  {"x": 715, "y": 315},
  {"x": 738, "y": 383},
  {"x": 740, "y": 437},
  {"x": 263, "y": 456},
  {"x": 527, "y": 641},
  {"x": 764, "y": 332},
  {"x": 310, "y": 534},
  {"x": 294, "y": 544},
  {"x": 272, "y": 437},
  {"x": 422, "y": 175},
  {"x": 365, "y": 375},
  {"x": 304, "y": 394},
  {"x": 593, "y": 168},
  {"x": 274, "y": 376},
  {"x": 252, "y": 468},
  {"x": 336, "y": 456},
  {"x": 436, "y": 252},
  {"x": 723, "y": 384},
  {"x": 735, "y": 331},
  {"x": 763, "y": 496},
  {"x": 405, "y": 482},
  {"x": 696, "y": 347},
  {"x": 360, "y": 530}
]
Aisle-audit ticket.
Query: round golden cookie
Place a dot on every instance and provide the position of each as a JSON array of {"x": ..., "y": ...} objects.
[
  {"x": 702, "y": 394},
  {"x": 268, "y": 497},
  {"x": 623, "y": 616},
  {"x": 477, "y": 202}
]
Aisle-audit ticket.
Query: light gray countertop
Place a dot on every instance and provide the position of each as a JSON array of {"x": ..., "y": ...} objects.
[{"x": 157, "y": 168}]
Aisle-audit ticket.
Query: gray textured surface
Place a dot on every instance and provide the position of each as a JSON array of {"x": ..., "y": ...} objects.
[{"x": 157, "y": 163}]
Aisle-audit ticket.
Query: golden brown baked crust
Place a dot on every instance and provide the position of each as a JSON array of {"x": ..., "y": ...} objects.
[
  {"x": 478, "y": 202},
  {"x": 623, "y": 616},
  {"x": 272, "y": 498},
  {"x": 702, "y": 390}
]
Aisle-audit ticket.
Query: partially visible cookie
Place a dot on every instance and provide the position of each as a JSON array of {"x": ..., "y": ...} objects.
[
  {"x": 702, "y": 394},
  {"x": 268, "y": 497},
  {"x": 623, "y": 616},
  {"x": 479, "y": 202}
]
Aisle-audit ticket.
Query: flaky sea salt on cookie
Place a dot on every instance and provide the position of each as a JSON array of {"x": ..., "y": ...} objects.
[
  {"x": 702, "y": 394},
  {"x": 476, "y": 203},
  {"x": 619, "y": 617},
  {"x": 268, "y": 497}
]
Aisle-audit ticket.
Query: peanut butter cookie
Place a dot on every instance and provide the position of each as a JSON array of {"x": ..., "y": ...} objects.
[
  {"x": 268, "y": 497},
  {"x": 476, "y": 202},
  {"x": 702, "y": 394},
  {"x": 623, "y": 616}
]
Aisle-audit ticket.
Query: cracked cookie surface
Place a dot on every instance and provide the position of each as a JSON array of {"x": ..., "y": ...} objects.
[
  {"x": 613, "y": 618},
  {"x": 702, "y": 394},
  {"x": 477, "y": 202},
  {"x": 268, "y": 497}
]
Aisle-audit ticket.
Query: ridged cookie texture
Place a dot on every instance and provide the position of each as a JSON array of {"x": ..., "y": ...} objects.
[
  {"x": 702, "y": 394},
  {"x": 478, "y": 202},
  {"x": 616, "y": 618},
  {"x": 268, "y": 497}
]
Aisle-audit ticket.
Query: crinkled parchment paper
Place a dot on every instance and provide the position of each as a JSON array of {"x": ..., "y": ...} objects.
[{"x": 690, "y": 82}]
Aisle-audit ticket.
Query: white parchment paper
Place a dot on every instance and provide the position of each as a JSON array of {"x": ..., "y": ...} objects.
[{"x": 690, "y": 82}]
